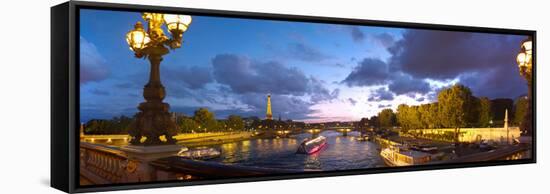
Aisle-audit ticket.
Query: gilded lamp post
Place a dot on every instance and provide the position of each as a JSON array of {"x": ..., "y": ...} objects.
[
  {"x": 525, "y": 65},
  {"x": 153, "y": 121}
]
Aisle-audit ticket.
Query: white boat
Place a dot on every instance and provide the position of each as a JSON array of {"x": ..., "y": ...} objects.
[
  {"x": 395, "y": 156},
  {"x": 310, "y": 146},
  {"x": 199, "y": 153}
]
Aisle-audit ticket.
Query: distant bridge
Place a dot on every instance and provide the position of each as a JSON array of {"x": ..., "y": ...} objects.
[{"x": 315, "y": 131}]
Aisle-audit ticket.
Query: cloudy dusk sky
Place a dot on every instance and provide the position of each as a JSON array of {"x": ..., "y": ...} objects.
[{"x": 315, "y": 72}]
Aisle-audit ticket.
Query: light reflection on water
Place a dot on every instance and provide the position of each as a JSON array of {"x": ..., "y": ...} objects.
[{"x": 340, "y": 153}]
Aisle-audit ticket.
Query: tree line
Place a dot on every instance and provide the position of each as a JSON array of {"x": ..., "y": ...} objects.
[
  {"x": 456, "y": 107},
  {"x": 202, "y": 121},
  {"x": 116, "y": 125}
]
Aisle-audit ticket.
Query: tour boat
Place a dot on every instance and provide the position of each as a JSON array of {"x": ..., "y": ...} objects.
[
  {"x": 394, "y": 156},
  {"x": 199, "y": 153},
  {"x": 310, "y": 146}
]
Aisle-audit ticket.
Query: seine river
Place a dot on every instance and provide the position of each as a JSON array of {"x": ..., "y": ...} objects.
[{"x": 340, "y": 153}]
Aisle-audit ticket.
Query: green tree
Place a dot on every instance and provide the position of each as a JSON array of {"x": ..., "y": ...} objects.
[
  {"x": 205, "y": 119},
  {"x": 222, "y": 126},
  {"x": 235, "y": 122},
  {"x": 435, "y": 117},
  {"x": 414, "y": 117},
  {"x": 520, "y": 109},
  {"x": 386, "y": 118},
  {"x": 473, "y": 112},
  {"x": 424, "y": 114},
  {"x": 485, "y": 116},
  {"x": 401, "y": 115},
  {"x": 374, "y": 123},
  {"x": 364, "y": 123},
  {"x": 116, "y": 125},
  {"x": 454, "y": 106},
  {"x": 188, "y": 125},
  {"x": 121, "y": 124}
]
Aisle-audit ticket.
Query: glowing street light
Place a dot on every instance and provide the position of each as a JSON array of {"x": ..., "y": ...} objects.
[
  {"x": 153, "y": 119},
  {"x": 525, "y": 65},
  {"x": 137, "y": 39},
  {"x": 524, "y": 59}
]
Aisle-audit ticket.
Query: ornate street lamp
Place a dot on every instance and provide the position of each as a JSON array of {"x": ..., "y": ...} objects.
[
  {"x": 154, "y": 121},
  {"x": 525, "y": 65},
  {"x": 524, "y": 59}
]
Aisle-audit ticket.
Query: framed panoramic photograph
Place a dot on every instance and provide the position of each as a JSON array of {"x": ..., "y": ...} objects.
[{"x": 146, "y": 96}]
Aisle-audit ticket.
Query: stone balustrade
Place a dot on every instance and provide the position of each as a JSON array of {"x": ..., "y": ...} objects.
[
  {"x": 107, "y": 164},
  {"x": 102, "y": 164}
]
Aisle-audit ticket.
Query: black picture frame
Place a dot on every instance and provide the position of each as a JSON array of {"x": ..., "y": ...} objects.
[{"x": 65, "y": 93}]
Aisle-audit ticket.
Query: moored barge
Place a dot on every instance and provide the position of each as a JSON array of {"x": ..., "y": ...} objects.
[{"x": 395, "y": 156}]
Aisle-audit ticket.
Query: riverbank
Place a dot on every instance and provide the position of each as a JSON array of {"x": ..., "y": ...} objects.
[
  {"x": 451, "y": 152},
  {"x": 186, "y": 139},
  {"x": 210, "y": 139}
]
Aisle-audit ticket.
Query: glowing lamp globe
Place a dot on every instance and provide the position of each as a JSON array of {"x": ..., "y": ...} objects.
[
  {"x": 527, "y": 46},
  {"x": 524, "y": 57},
  {"x": 137, "y": 38},
  {"x": 177, "y": 24}
]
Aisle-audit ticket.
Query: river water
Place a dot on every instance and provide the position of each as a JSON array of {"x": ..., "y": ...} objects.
[{"x": 341, "y": 153}]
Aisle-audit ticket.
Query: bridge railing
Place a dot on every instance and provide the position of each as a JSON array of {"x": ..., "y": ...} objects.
[
  {"x": 104, "y": 164},
  {"x": 101, "y": 164}
]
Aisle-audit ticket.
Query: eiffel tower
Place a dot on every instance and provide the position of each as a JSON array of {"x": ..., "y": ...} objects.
[{"x": 268, "y": 114}]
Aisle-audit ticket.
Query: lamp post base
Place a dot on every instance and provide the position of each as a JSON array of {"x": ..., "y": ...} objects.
[
  {"x": 153, "y": 122},
  {"x": 140, "y": 157},
  {"x": 150, "y": 153}
]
